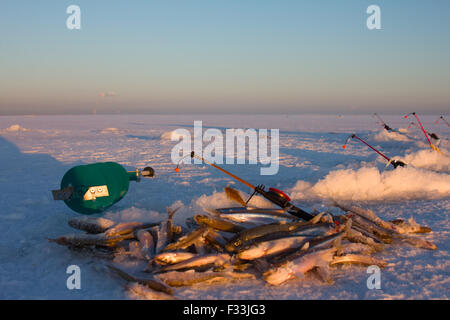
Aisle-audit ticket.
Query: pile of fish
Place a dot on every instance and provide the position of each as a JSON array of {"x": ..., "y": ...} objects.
[{"x": 232, "y": 244}]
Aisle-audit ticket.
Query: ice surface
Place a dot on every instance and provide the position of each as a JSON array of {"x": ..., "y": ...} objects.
[{"x": 36, "y": 151}]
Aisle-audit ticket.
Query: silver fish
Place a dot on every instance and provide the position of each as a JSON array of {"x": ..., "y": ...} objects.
[
  {"x": 202, "y": 261},
  {"x": 190, "y": 277},
  {"x": 151, "y": 283},
  {"x": 272, "y": 247},
  {"x": 188, "y": 239},
  {"x": 146, "y": 244},
  {"x": 172, "y": 257},
  {"x": 298, "y": 267},
  {"x": 358, "y": 259},
  {"x": 90, "y": 224}
]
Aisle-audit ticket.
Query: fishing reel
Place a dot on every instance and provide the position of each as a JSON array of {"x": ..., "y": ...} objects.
[
  {"x": 396, "y": 163},
  {"x": 275, "y": 196}
]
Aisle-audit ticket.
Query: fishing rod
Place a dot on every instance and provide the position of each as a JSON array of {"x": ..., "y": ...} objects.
[
  {"x": 442, "y": 117},
  {"x": 432, "y": 135},
  {"x": 385, "y": 126},
  {"x": 424, "y": 132},
  {"x": 394, "y": 163},
  {"x": 275, "y": 196}
]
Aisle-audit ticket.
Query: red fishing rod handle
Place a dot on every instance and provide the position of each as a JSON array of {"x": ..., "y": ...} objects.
[{"x": 281, "y": 193}]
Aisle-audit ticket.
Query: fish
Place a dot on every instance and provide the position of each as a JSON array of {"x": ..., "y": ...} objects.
[
  {"x": 215, "y": 240},
  {"x": 369, "y": 215},
  {"x": 165, "y": 258},
  {"x": 128, "y": 227},
  {"x": 383, "y": 234},
  {"x": 151, "y": 283},
  {"x": 271, "y": 247},
  {"x": 165, "y": 231},
  {"x": 254, "y": 215},
  {"x": 190, "y": 277},
  {"x": 218, "y": 224},
  {"x": 257, "y": 218},
  {"x": 146, "y": 244},
  {"x": 299, "y": 266},
  {"x": 139, "y": 291},
  {"x": 188, "y": 239},
  {"x": 99, "y": 239},
  {"x": 398, "y": 225},
  {"x": 358, "y": 259},
  {"x": 241, "y": 238},
  {"x": 315, "y": 244},
  {"x": 410, "y": 226},
  {"x": 357, "y": 237},
  {"x": 91, "y": 224},
  {"x": 199, "y": 261},
  {"x": 171, "y": 229}
]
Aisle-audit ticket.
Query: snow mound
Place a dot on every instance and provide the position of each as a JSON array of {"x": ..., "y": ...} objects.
[
  {"x": 429, "y": 159},
  {"x": 135, "y": 214},
  {"x": 390, "y": 136},
  {"x": 369, "y": 184},
  {"x": 16, "y": 128}
]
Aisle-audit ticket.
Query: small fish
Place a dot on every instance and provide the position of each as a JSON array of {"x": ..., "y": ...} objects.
[
  {"x": 201, "y": 261},
  {"x": 215, "y": 240},
  {"x": 172, "y": 257},
  {"x": 127, "y": 227},
  {"x": 188, "y": 239},
  {"x": 170, "y": 227},
  {"x": 241, "y": 238},
  {"x": 298, "y": 267},
  {"x": 410, "y": 226},
  {"x": 90, "y": 224},
  {"x": 146, "y": 244},
  {"x": 358, "y": 259},
  {"x": 385, "y": 235},
  {"x": 165, "y": 231},
  {"x": 255, "y": 217},
  {"x": 218, "y": 224},
  {"x": 99, "y": 239},
  {"x": 357, "y": 237},
  {"x": 151, "y": 283},
  {"x": 272, "y": 247},
  {"x": 190, "y": 277}
]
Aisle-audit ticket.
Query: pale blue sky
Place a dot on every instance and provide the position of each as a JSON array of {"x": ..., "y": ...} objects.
[{"x": 224, "y": 56}]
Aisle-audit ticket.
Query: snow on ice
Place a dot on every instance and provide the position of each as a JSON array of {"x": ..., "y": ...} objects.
[{"x": 36, "y": 151}]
